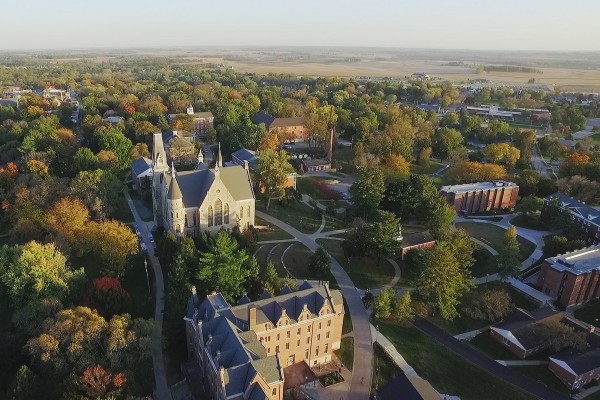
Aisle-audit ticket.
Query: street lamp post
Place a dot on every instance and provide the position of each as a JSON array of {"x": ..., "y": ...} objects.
[
  {"x": 377, "y": 335},
  {"x": 147, "y": 278}
]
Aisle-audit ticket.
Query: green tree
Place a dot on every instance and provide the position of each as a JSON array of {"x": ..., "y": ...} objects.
[
  {"x": 439, "y": 222},
  {"x": 221, "y": 268},
  {"x": 509, "y": 254},
  {"x": 35, "y": 271},
  {"x": 272, "y": 172},
  {"x": 529, "y": 205},
  {"x": 23, "y": 385},
  {"x": 489, "y": 305},
  {"x": 99, "y": 190},
  {"x": 383, "y": 235},
  {"x": 383, "y": 303},
  {"x": 367, "y": 190},
  {"x": 403, "y": 308},
  {"x": 443, "y": 281},
  {"x": 319, "y": 264},
  {"x": 85, "y": 160},
  {"x": 447, "y": 142},
  {"x": 558, "y": 336}
]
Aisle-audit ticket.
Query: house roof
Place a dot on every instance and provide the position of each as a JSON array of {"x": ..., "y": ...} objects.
[
  {"x": 576, "y": 207},
  {"x": 141, "y": 165},
  {"x": 238, "y": 182},
  {"x": 580, "y": 361},
  {"x": 263, "y": 118},
  {"x": 245, "y": 155},
  {"x": 472, "y": 187},
  {"x": 414, "y": 239},
  {"x": 521, "y": 324},
  {"x": 174, "y": 190},
  {"x": 577, "y": 262},
  {"x": 273, "y": 122}
]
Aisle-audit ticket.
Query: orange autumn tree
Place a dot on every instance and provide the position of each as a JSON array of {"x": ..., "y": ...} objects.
[
  {"x": 96, "y": 382},
  {"x": 574, "y": 164},
  {"x": 8, "y": 175}
]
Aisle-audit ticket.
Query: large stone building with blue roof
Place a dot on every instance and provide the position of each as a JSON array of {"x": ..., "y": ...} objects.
[
  {"x": 189, "y": 202},
  {"x": 240, "y": 352}
]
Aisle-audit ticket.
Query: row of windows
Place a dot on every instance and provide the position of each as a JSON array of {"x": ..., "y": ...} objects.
[
  {"x": 299, "y": 332},
  {"x": 306, "y": 353}
]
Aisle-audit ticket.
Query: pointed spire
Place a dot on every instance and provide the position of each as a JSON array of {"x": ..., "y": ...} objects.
[
  {"x": 172, "y": 169},
  {"x": 219, "y": 162},
  {"x": 174, "y": 190}
]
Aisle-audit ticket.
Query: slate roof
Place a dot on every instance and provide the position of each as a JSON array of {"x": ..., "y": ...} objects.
[
  {"x": 580, "y": 361},
  {"x": 194, "y": 185},
  {"x": 174, "y": 190},
  {"x": 521, "y": 324},
  {"x": 9, "y": 103},
  {"x": 576, "y": 207},
  {"x": 273, "y": 122},
  {"x": 141, "y": 165},
  {"x": 244, "y": 155},
  {"x": 414, "y": 239}
]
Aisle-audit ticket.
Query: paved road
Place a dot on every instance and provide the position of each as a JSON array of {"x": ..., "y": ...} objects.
[
  {"x": 532, "y": 387},
  {"x": 161, "y": 389},
  {"x": 363, "y": 348}
]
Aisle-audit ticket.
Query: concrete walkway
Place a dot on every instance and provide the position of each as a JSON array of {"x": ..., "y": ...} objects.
[
  {"x": 161, "y": 389},
  {"x": 485, "y": 246},
  {"x": 471, "y": 334},
  {"x": 363, "y": 349},
  {"x": 391, "y": 351},
  {"x": 531, "y": 292},
  {"x": 521, "y": 363}
]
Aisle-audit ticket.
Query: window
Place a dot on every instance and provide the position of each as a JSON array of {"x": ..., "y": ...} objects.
[
  {"x": 278, "y": 336},
  {"x": 218, "y": 212},
  {"x": 306, "y": 354},
  {"x": 326, "y": 348},
  {"x": 299, "y": 331},
  {"x": 226, "y": 214},
  {"x": 248, "y": 210},
  {"x": 327, "y": 335},
  {"x": 241, "y": 212},
  {"x": 210, "y": 216},
  {"x": 288, "y": 334},
  {"x": 268, "y": 350},
  {"x": 307, "y": 340},
  {"x": 287, "y": 346},
  {"x": 277, "y": 349},
  {"x": 298, "y": 342},
  {"x": 274, "y": 391},
  {"x": 308, "y": 329},
  {"x": 319, "y": 336},
  {"x": 329, "y": 323},
  {"x": 186, "y": 221},
  {"x": 506, "y": 341},
  {"x": 319, "y": 325},
  {"x": 317, "y": 351}
]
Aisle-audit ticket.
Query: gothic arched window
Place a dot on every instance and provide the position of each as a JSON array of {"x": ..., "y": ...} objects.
[
  {"x": 241, "y": 212},
  {"x": 218, "y": 212},
  {"x": 186, "y": 221},
  {"x": 210, "y": 216},
  {"x": 226, "y": 214}
]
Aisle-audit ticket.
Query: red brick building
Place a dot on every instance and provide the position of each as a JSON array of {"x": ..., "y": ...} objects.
[
  {"x": 518, "y": 334},
  {"x": 292, "y": 129},
  {"x": 416, "y": 241},
  {"x": 572, "y": 278},
  {"x": 481, "y": 196},
  {"x": 575, "y": 368}
]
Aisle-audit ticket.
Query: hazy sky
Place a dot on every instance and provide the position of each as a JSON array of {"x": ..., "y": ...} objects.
[{"x": 446, "y": 24}]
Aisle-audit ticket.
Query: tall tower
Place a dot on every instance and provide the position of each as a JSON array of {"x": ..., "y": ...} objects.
[
  {"x": 330, "y": 148},
  {"x": 175, "y": 210},
  {"x": 159, "y": 167}
]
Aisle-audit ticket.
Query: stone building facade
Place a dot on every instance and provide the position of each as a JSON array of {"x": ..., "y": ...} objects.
[{"x": 244, "y": 348}]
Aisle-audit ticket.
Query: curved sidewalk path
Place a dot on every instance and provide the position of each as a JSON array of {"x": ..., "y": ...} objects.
[
  {"x": 161, "y": 388},
  {"x": 363, "y": 348}
]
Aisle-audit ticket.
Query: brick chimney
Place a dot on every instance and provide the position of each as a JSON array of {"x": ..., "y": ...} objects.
[
  {"x": 251, "y": 317},
  {"x": 330, "y": 148}
]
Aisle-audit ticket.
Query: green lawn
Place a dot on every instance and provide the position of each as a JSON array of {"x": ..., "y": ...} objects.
[
  {"x": 589, "y": 314},
  {"x": 365, "y": 272},
  {"x": 299, "y": 215},
  {"x": 333, "y": 224},
  {"x": 542, "y": 374},
  {"x": 529, "y": 222},
  {"x": 488, "y": 346},
  {"x": 346, "y": 352},
  {"x": 485, "y": 263},
  {"x": 432, "y": 168},
  {"x": 347, "y": 326},
  {"x": 492, "y": 235},
  {"x": 384, "y": 368},
  {"x": 445, "y": 370},
  {"x": 296, "y": 260},
  {"x": 273, "y": 232},
  {"x": 596, "y": 139}
]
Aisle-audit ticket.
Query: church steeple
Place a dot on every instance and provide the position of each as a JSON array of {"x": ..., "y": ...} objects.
[
  {"x": 174, "y": 192},
  {"x": 159, "y": 157},
  {"x": 219, "y": 161}
]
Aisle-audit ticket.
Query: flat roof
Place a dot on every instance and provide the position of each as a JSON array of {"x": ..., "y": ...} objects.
[
  {"x": 577, "y": 262},
  {"x": 473, "y": 187}
]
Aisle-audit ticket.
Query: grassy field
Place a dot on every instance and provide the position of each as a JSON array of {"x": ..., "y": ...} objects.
[
  {"x": 445, "y": 370},
  {"x": 589, "y": 314},
  {"x": 432, "y": 168},
  {"x": 273, "y": 233},
  {"x": 485, "y": 263},
  {"x": 488, "y": 346},
  {"x": 347, "y": 326},
  {"x": 542, "y": 374},
  {"x": 296, "y": 260},
  {"x": 384, "y": 368},
  {"x": 529, "y": 222},
  {"x": 298, "y": 215},
  {"x": 365, "y": 272},
  {"x": 346, "y": 352},
  {"x": 492, "y": 235}
]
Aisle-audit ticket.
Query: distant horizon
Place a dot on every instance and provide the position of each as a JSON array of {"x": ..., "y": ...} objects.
[
  {"x": 510, "y": 25},
  {"x": 293, "y": 46}
]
